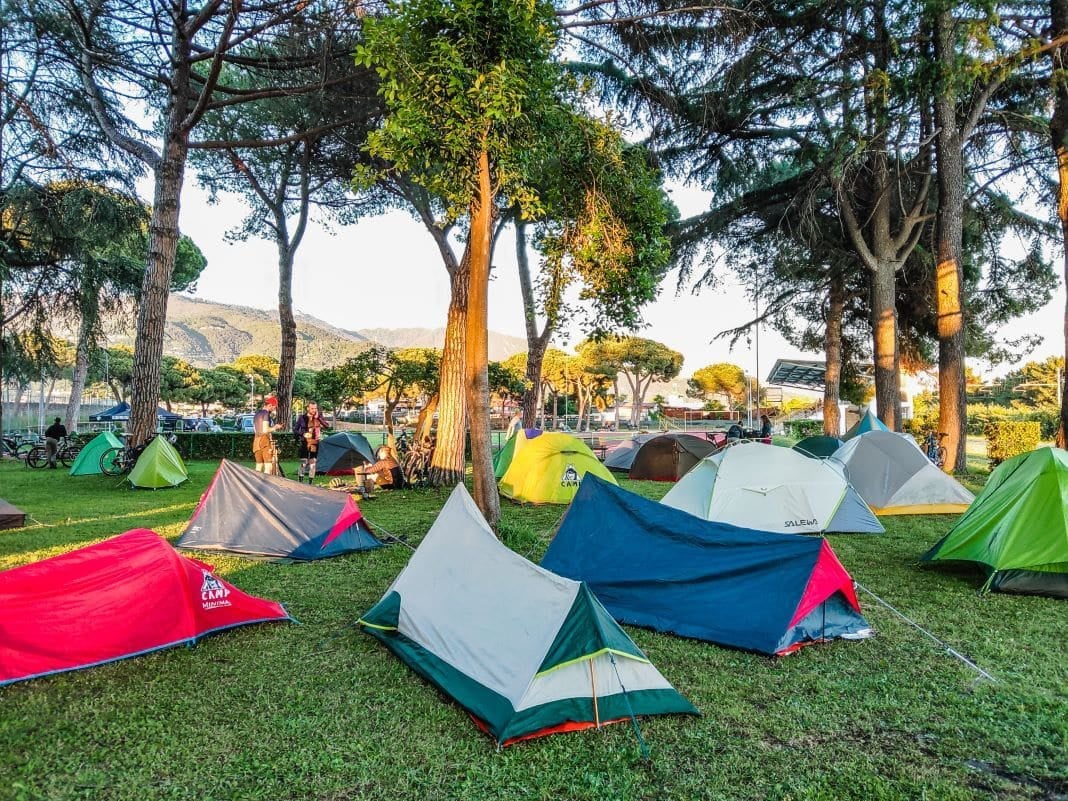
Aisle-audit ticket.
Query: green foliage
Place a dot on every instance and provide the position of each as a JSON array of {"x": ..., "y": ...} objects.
[
  {"x": 718, "y": 379},
  {"x": 460, "y": 79},
  {"x": 227, "y": 445},
  {"x": 799, "y": 429},
  {"x": 1007, "y": 439}
]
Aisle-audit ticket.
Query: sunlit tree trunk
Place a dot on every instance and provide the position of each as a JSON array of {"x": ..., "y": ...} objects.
[
  {"x": 447, "y": 466},
  {"x": 479, "y": 246},
  {"x": 287, "y": 362}
]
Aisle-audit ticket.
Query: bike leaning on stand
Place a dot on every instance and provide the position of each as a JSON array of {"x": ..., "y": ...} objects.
[
  {"x": 66, "y": 453},
  {"x": 934, "y": 449}
]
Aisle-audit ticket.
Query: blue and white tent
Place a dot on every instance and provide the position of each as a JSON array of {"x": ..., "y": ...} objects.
[{"x": 654, "y": 566}]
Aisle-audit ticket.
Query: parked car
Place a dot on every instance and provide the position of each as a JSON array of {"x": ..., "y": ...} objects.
[
  {"x": 244, "y": 423},
  {"x": 203, "y": 425}
]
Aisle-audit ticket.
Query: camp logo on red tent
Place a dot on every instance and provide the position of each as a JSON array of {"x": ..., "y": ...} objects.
[
  {"x": 123, "y": 597},
  {"x": 212, "y": 592}
]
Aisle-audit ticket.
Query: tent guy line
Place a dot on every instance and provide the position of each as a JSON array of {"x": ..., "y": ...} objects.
[{"x": 949, "y": 649}]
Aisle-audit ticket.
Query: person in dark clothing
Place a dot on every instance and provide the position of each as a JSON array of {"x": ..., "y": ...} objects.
[
  {"x": 765, "y": 426},
  {"x": 386, "y": 473},
  {"x": 53, "y": 434},
  {"x": 735, "y": 432},
  {"x": 308, "y": 428}
]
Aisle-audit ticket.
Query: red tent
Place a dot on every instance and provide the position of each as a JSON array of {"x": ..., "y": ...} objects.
[{"x": 122, "y": 597}]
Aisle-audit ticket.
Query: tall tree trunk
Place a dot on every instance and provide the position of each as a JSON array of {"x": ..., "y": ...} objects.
[
  {"x": 949, "y": 226},
  {"x": 447, "y": 466},
  {"x": 1059, "y": 134},
  {"x": 287, "y": 361},
  {"x": 152, "y": 309},
  {"x": 832, "y": 345},
  {"x": 479, "y": 245},
  {"x": 537, "y": 343},
  {"x": 81, "y": 356},
  {"x": 884, "y": 340}
]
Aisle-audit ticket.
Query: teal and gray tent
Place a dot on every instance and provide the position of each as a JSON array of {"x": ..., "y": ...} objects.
[
  {"x": 869, "y": 422},
  {"x": 88, "y": 461},
  {"x": 252, "y": 513},
  {"x": 819, "y": 447},
  {"x": 341, "y": 453},
  {"x": 526, "y": 652}
]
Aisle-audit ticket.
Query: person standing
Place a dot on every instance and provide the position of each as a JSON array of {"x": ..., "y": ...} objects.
[
  {"x": 53, "y": 434},
  {"x": 765, "y": 427},
  {"x": 309, "y": 430},
  {"x": 263, "y": 426}
]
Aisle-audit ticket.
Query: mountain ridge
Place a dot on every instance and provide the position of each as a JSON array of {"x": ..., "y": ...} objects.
[{"x": 208, "y": 333}]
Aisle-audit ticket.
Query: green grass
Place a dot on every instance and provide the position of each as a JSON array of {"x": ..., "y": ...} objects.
[{"x": 321, "y": 711}]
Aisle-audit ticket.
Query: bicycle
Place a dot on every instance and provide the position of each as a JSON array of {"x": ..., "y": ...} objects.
[
  {"x": 120, "y": 460},
  {"x": 416, "y": 465},
  {"x": 17, "y": 445},
  {"x": 934, "y": 449},
  {"x": 66, "y": 453}
]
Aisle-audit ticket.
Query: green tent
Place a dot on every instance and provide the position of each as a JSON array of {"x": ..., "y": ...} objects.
[
  {"x": 159, "y": 466},
  {"x": 1018, "y": 526},
  {"x": 869, "y": 422},
  {"x": 504, "y": 458},
  {"x": 88, "y": 461},
  {"x": 819, "y": 447}
]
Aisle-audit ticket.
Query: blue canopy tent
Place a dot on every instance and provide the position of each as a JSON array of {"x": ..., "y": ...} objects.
[{"x": 659, "y": 567}]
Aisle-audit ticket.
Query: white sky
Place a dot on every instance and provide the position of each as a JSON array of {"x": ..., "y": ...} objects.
[{"x": 386, "y": 272}]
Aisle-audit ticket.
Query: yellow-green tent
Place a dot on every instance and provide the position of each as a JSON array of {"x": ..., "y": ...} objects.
[
  {"x": 547, "y": 467},
  {"x": 159, "y": 465}
]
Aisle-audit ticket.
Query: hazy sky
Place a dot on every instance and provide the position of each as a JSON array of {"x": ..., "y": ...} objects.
[{"x": 386, "y": 272}]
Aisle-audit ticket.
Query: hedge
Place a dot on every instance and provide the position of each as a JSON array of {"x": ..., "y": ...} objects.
[
  {"x": 236, "y": 445},
  {"x": 803, "y": 428},
  {"x": 1007, "y": 439}
]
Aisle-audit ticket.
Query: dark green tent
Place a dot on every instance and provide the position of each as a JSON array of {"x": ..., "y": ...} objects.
[
  {"x": 819, "y": 447},
  {"x": 1017, "y": 528},
  {"x": 341, "y": 453}
]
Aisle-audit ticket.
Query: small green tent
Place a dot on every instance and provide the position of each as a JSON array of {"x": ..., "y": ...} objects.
[
  {"x": 159, "y": 466},
  {"x": 88, "y": 461},
  {"x": 1018, "y": 526}
]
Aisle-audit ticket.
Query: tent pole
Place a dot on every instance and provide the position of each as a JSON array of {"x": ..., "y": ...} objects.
[{"x": 593, "y": 688}]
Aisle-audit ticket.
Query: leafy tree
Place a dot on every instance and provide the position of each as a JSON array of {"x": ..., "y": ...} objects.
[
  {"x": 719, "y": 379},
  {"x": 178, "y": 381},
  {"x": 164, "y": 62},
  {"x": 466, "y": 86},
  {"x": 285, "y": 184},
  {"x": 641, "y": 361}
]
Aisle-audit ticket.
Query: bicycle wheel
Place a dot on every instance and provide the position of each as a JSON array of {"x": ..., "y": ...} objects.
[
  {"x": 113, "y": 462},
  {"x": 37, "y": 457},
  {"x": 941, "y": 456},
  {"x": 69, "y": 454},
  {"x": 23, "y": 450}
]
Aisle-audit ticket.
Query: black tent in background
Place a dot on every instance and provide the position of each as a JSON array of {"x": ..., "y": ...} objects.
[
  {"x": 341, "y": 453},
  {"x": 669, "y": 457}
]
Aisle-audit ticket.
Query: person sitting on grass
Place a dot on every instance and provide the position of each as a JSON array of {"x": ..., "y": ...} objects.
[{"x": 384, "y": 474}]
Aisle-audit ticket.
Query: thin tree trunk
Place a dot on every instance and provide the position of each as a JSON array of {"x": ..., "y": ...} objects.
[
  {"x": 532, "y": 381},
  {"x": 832, "y": 344},
  {"x": 287, "y": 361},
  {"x": 81, "y": 357},
  {"x": 152, "y": 309},
  {"x": 479, "y": 246},
  {"x": 537, "y": 343},
  {"x": 1059, "y": 134},
  {"x": 425, "y": 424},
  {"x": 447, "y": 466},
  {"x": 884, "y": 330},
  {"x": 949, "y": 226}
]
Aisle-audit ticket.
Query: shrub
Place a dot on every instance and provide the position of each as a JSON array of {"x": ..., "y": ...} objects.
[
  {"x": 799, "y": 429},
  {"x": 1007, "y": 439}
]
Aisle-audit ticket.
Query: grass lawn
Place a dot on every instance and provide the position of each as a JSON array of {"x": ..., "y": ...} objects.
[{"x": 321, "y": 711}]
